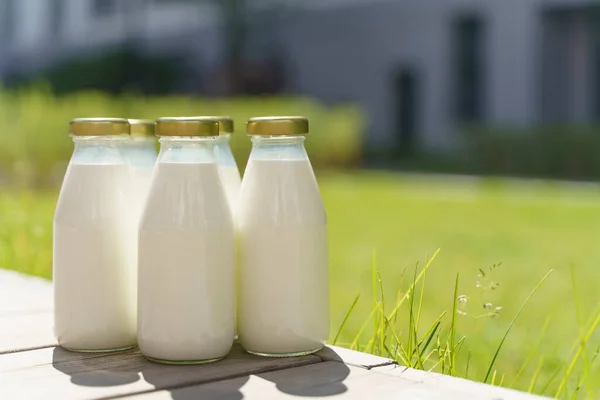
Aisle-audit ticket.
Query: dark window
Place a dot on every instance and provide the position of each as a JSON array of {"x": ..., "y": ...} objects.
[
  {"x": 406, "y": 88},
  {"x": 468, "y": 49},
  {"x": 104, "y": 7}
]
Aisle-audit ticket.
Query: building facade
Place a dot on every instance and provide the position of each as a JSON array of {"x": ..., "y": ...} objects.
[{"x": 421, "y": 69}]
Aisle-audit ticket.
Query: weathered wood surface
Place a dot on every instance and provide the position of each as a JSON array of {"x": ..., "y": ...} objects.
[
  {"x": 58, "y": 373},
  {"x": 334, "y": 380},
  {"x": 32, "y": 367},
  {"x": 25, "y": 312}
]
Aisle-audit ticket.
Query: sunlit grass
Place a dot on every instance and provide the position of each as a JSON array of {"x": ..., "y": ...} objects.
[
  {"x": 26, "y": 232},
  {"x": 499, "y": 237}
]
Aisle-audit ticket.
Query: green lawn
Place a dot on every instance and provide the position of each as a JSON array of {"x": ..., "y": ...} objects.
[{"x": 529, "y": 227}]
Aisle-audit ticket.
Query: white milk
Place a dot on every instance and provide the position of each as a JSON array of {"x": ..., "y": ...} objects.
[
  {"x": 232, "y": 182},
  {"x": 140, "y": 185},
  {"x": 94, "y": 280},
  {"x": 283, "y": 300},
  {"x": 229, "y": 170},
  {"x": 186, "y": 265},
  {"x": 141, "y": 157}
]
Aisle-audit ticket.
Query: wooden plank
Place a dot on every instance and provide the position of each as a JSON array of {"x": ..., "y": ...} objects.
[
  {"x": 23, "y": 294},
  {"x": 56, "y": 373},
  {"x": 19, "y": 332},
  {"x": 331, "y": 379},
  {"x": 25, "y": 312},
  {"x": 450, "y": 383},
  {"x": 355, "y": 358}
]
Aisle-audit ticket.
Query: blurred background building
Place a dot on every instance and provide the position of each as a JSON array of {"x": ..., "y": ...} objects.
[{"x": 421, "y": 69}]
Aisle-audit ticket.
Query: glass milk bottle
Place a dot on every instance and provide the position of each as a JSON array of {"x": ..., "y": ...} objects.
[
  {"x": 186, "y": 250},
  {"x": 140, "y": 152},
  {"x": 94, "y": 280},
  {"x": 283, "y": 299},
  {"x": 227, "y": 165}
]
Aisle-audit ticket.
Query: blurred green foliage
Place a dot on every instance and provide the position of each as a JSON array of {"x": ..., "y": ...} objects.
[
  {"x": 35, "y": 146},
  {"x": 558, "y": 151},
  {"x": 112, "y": 72},
  {"x": 555, "y": 151}
]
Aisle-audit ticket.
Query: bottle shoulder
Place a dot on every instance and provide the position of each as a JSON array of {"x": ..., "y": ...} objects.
[{"x": 281, "y": 193}]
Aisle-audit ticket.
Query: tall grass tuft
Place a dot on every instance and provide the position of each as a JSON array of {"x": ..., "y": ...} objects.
[{"x": 437, "y": 346}]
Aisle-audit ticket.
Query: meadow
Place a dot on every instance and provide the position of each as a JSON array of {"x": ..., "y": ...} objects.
[{"x": 500, "y": 237}]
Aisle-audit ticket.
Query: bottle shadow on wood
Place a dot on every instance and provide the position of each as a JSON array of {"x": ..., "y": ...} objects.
[
  {"x": 130, "y": 368},
  {"x": 322, "y": 379},
  {"x": 98, "y": 369},
  {"x": 131, "y": 373}
]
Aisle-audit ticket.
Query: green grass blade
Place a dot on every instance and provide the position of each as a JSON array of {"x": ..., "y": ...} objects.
[
  {"x": 374, "y": 287},
  {"x": 571, "y": 366},
  {"x": 438, "y": 319},
  {"x": 453, "y": 326},
  {"x": 394, "y": 315},
  {"x": 362, "y": 328},
  {"x": 402, "y": 298},
  {"x": 535, "y": 377},
  {"x": 430, "y": 337},
  {"x": 583, "y": 342},
  {"x": 416, "y": 345},
  {"x": 550, "y": 380},
  {"x": 533, "y": 351},
  {"x": 440, "y": 354},
  {"x": 467, "y": 367},
  {"x": 389, "y": 352},
  {"x": 428, "y": 356},
  {"x": 588, "y": 324},
  {"x": 405, "y": 357},
  {"x": 371, "y": 344},
  {"x": 396, "y": 338},
  {"x": 339, "y": 332},
  {"x": 382, "y": 325},
  {"x": 459, "y": 345},
  {"x": 581, "y": 381},
  {"x": 411, "y": 318},
  {"x": 487, "y": 375},
  {"x": 421, "y": 297}
]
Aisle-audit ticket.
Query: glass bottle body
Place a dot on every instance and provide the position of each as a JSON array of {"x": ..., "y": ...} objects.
[
  {"x": 186, "y": 258},
  {"x": 94, "y": 279},
  {"x": 283, "y": 289}
]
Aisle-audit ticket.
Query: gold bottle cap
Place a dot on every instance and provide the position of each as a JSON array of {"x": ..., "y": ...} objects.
[
  {"x": 141, "y": 127},
  {"x": 225, "y": 124},
  {"x": 187, "y": 126},
  {"x": 99, "y": 127},
  {"x": 271, "y": 126}
]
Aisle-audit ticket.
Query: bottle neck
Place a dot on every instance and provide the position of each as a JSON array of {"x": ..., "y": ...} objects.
[
  {"x": 141, "y": 142},
  {"x": 179, "y": 149},
  {"x": 98, "y": 150},
  {"x": 224, "y": 138},
  {"x": 223, "y": 153},
  {"x": 278, "y": 148},
  {"x": 83, "y": 141},
  {"x": 140, "y": 152}
]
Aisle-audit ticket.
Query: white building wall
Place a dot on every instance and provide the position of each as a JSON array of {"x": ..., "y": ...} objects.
[
  {"x": 30, "y": 27},
  {"x": 349, "y": 52},
  {"x": 513, "y": 62}
]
